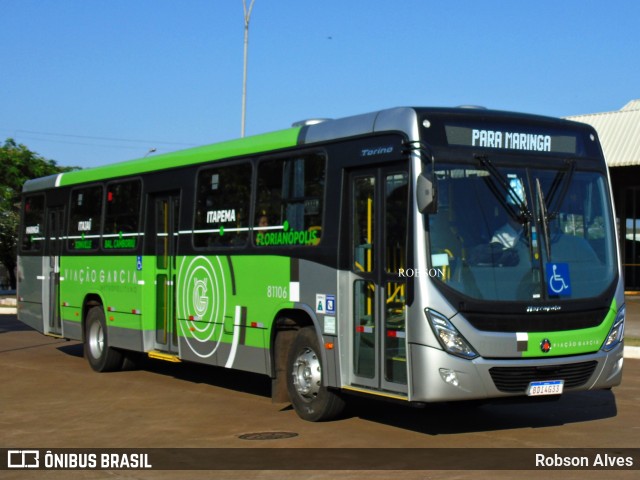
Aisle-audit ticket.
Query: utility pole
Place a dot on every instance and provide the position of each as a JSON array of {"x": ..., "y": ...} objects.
[{"x": 247, "y": 16}]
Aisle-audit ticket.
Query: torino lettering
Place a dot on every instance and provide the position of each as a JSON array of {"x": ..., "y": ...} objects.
[
  {"x": 370, "y": 152},
  {"x": 416, "y": 272}
]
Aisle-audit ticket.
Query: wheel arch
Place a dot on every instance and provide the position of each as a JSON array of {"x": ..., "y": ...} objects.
[
  {"x": 90, "y": 300},
  {"x": 286, "y": 324},
  {"x": 95, "y": 332}
]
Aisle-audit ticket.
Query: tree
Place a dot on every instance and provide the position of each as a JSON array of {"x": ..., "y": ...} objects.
[{"x": 17, "y": 165}]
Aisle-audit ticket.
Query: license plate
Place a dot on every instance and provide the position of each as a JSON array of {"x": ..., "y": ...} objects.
[{"x": 550, "y": 387}]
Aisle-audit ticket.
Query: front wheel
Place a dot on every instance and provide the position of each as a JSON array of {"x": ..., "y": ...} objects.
[
  {"x": 100, "y": 355},
  {"x": 311, "y": 400}
]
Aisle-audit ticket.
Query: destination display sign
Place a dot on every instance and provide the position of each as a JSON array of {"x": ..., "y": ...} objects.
[{"x": 514, "y": 137}]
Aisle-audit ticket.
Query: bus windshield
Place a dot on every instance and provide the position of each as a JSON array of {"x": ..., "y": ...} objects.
[{"x": 518, "y": 233}]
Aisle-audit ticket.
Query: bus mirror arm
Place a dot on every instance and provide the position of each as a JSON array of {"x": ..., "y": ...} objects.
[
  {"x": 426, "y": 191},
  {"x": 426, "y": 194}
]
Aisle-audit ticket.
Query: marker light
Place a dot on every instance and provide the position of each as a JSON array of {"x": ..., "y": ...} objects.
[
  {"x": 450, "y": 339},
  {"x": 616, "y": 334}
]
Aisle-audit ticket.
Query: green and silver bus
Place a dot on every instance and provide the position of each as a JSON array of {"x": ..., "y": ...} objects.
[{"x": 418, "y": 254}]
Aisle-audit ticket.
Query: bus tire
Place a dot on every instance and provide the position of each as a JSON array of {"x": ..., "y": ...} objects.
[
  {"x": 311, "y": 400},
  {"x": 101, "y": 356}
]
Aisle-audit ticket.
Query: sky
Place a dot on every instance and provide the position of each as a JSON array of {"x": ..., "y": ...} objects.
[{"x": 93, "y": 82}]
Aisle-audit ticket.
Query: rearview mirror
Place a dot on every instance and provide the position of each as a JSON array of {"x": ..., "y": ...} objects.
[{"x": 426, "y": 194}]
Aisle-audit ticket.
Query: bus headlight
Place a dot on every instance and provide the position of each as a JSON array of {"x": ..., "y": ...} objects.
[
  {"x": 450, "y": 339},
  {"x": 616, "y": 334}
]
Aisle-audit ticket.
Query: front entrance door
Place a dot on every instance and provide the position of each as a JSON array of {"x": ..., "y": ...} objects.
[
  {"x": 378, "y": 243},
  {"x": 164, "y": 214}
]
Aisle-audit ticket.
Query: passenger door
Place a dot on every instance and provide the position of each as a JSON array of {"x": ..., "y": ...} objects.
[
  {"x": 378, "y": 203},
  {"x": 164, "y": 214},
  {"x": 51, "y": 273}
]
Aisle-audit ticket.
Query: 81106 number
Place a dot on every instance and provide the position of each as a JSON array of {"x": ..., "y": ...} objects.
[{"x": 274, "y": 291}]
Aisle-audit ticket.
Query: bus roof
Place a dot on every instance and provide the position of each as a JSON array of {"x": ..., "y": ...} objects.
[
  {"x": 192, "y": 156},
  {"x": 403, "y": 119}
]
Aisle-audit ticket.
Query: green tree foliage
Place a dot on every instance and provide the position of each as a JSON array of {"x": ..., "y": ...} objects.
[{"x": 17, "y": 165}]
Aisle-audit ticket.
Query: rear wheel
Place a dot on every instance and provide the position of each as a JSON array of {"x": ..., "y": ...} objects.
[
  {"x": 100, "y": 355},
  {"x": 311, "y": 400}
]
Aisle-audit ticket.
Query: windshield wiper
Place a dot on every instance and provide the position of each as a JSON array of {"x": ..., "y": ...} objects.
[
  {"x": 561, "y": 182},
  {"x": 549, "y": 209},
  {"x": 504, "y": 192},
  {"x": 543, "y": 220}
]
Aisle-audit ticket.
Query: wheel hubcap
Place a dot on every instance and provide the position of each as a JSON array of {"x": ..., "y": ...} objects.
[
  {"x": 96, "y": 340},
  {"x": 307, "y": 374}
]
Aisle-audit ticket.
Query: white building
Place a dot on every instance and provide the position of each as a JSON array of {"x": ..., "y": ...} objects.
[{"x": 619, "y": 133}]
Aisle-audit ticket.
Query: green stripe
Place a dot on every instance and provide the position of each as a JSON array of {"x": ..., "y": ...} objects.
[
  {"x": 572, "y": 342},
  {"x": 193, "y": 156}
]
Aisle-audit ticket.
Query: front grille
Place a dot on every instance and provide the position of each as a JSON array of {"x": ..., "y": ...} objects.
[
  {"x": 536, "y": 322},
  {"x": 516, "y": 379}
]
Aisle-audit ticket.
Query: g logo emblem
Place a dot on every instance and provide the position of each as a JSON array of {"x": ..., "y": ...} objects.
[
  {"x": 202, "y": 304},
  {"x": 200, "y": 298}
]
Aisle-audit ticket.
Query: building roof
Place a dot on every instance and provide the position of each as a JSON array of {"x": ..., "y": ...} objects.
[{"x": 619, "y": 133}]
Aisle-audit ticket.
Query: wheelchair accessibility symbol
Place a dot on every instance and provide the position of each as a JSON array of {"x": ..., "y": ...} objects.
[{"x": 558, "y": 281}]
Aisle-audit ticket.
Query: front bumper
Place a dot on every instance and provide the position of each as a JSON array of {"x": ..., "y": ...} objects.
[{"x": 474, "y": 380}]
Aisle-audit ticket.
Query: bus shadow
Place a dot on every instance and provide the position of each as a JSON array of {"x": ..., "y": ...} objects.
[
  {"x": 504, "y": 414},
  {"x": 73, "y": 349},
  {"x": 236, "y": 380},
  {"x": 9, "y": 323}
]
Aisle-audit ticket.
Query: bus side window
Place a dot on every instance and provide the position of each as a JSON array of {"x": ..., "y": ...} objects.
[
  {"x": 223, "y": 196},
  {"x": 395, "y": 219},
  {"x": 122, "y": 216},
  {"x": 364, "y": 224},
  {"x": 290, "y": 201},
  {"x": 33, "y": 224},
  {"x": 85, "y": 218}
]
